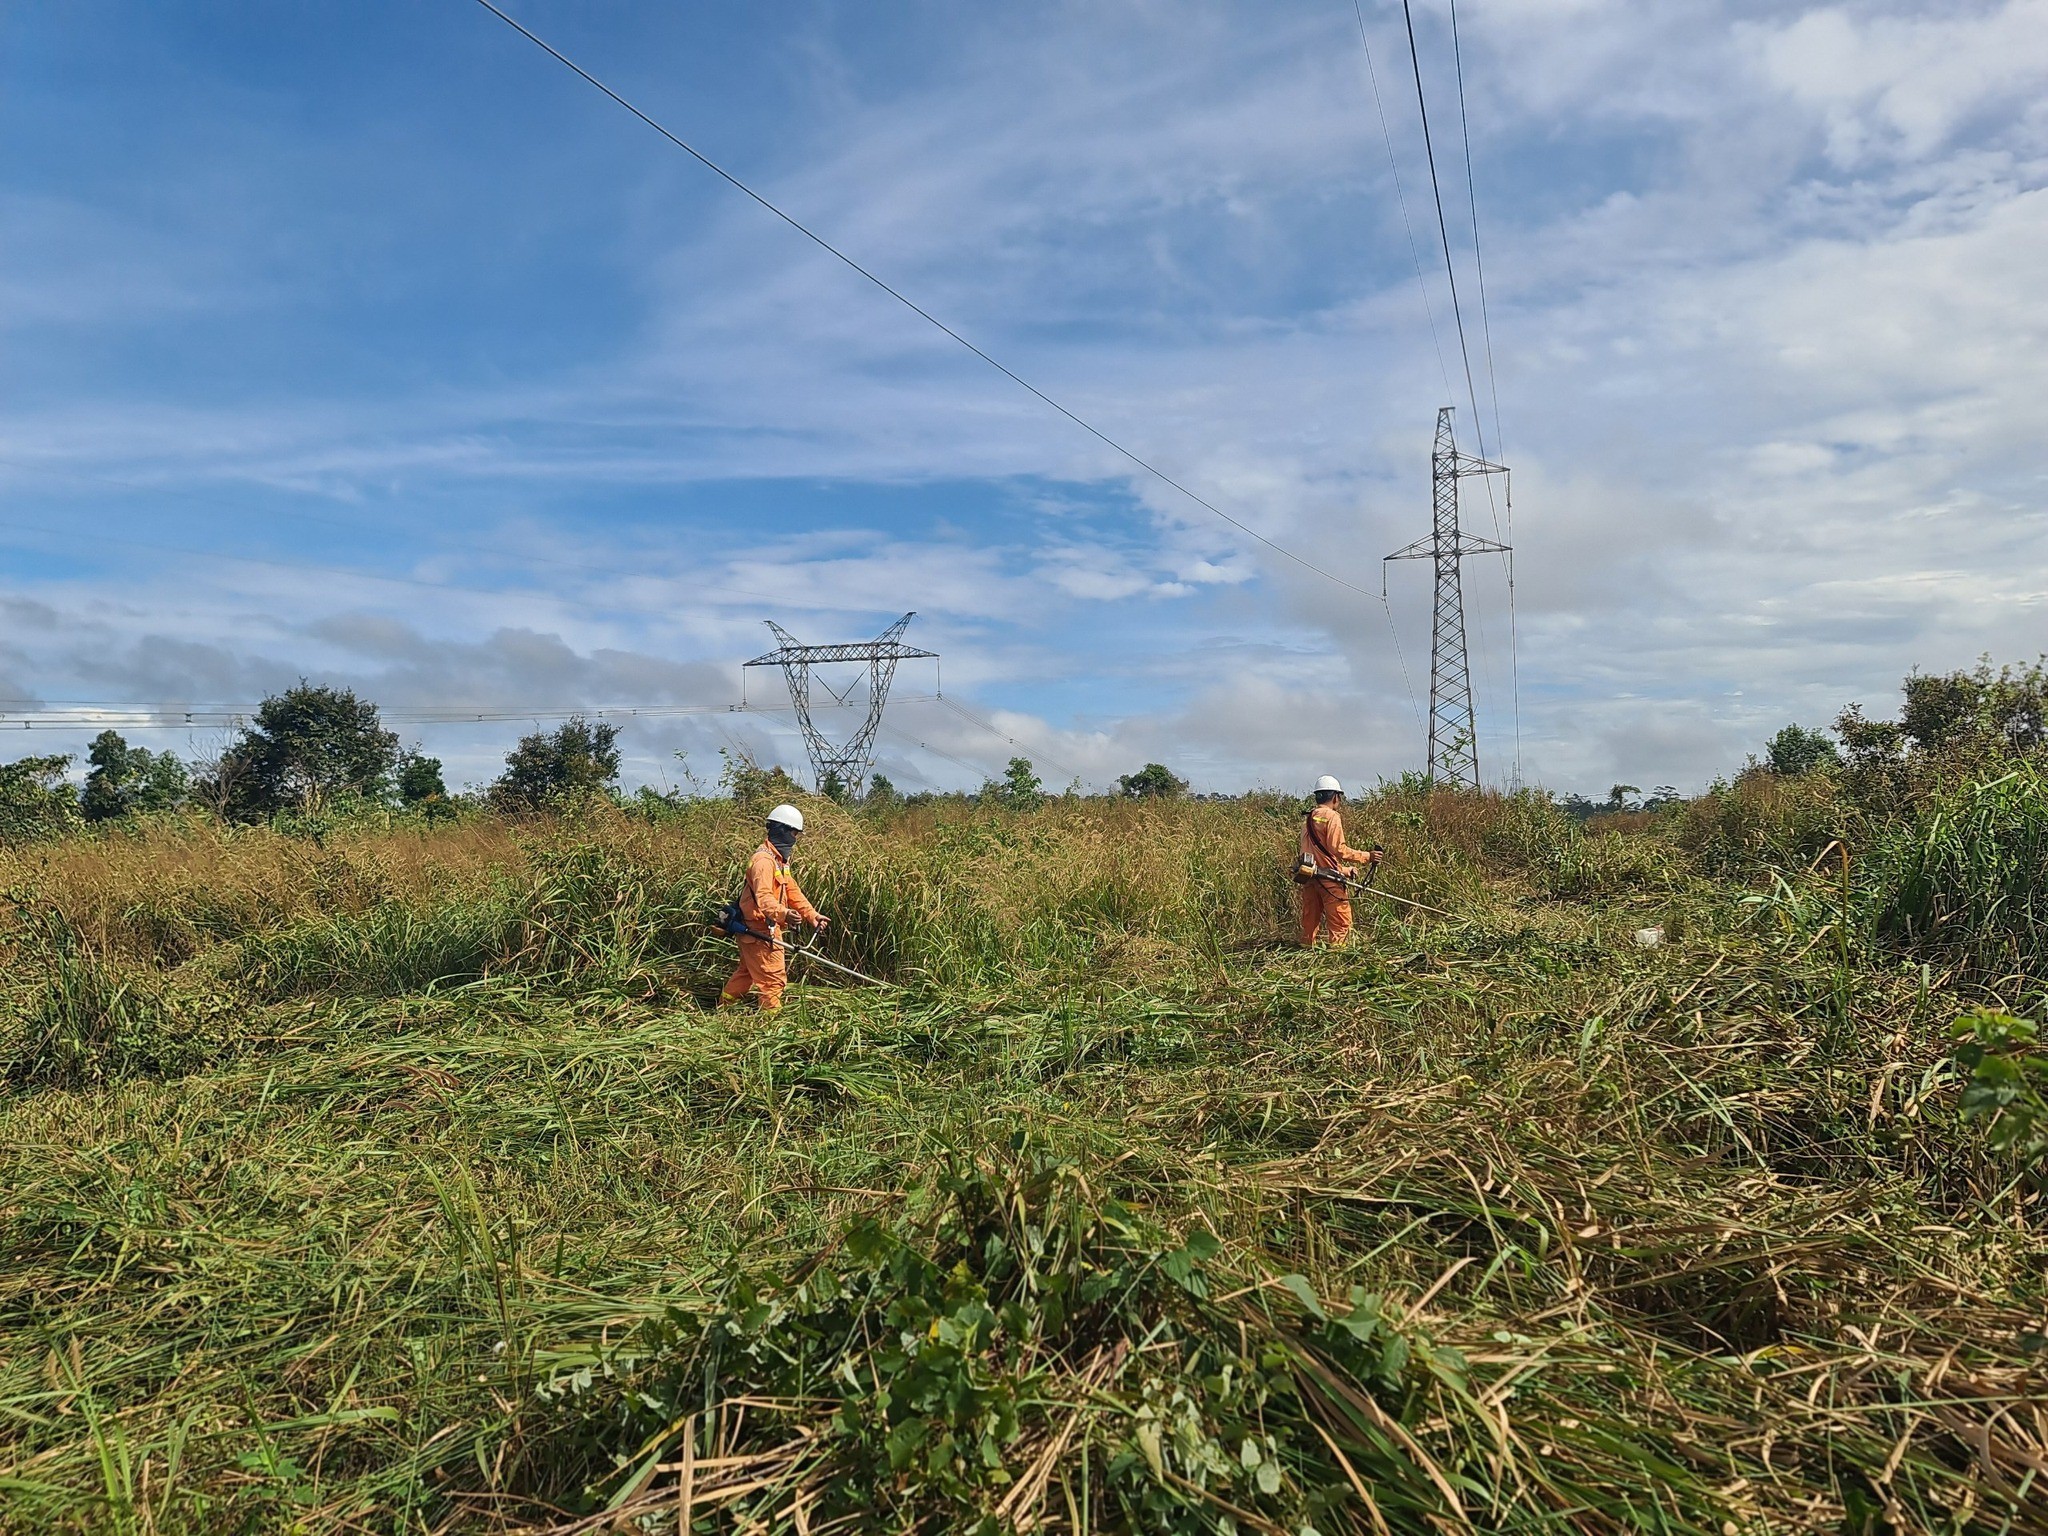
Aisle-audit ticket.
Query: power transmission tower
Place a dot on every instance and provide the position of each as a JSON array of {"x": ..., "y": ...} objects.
[
  {"x": 1453, "y": 733},
  {"x": 846, "y": 765}
]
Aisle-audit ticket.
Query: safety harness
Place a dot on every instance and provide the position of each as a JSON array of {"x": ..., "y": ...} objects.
[{"x": 1305, "y": 867}]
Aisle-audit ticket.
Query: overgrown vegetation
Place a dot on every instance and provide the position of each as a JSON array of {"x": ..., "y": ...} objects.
[{"x": 1676, "y": 1168}]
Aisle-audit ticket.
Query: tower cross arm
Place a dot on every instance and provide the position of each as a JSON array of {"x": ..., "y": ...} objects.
[
  {"x": 860, "y": 650},
  {"x": 887, "y": 646},
  {"x": 1469, "y": 465}
]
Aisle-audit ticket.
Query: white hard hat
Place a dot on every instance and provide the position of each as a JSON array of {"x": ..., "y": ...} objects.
[
  {"x": 787, "y": 816},
  {"x": 1327, "y": 783}
]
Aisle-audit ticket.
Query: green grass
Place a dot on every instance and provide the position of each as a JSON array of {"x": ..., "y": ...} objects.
[{"x": 470, "y": 1215}]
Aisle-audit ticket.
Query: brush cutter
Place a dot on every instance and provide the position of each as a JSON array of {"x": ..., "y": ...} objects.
[
  {"x": 1352, "y": 882},
  {"x": 733, "y": 925}
]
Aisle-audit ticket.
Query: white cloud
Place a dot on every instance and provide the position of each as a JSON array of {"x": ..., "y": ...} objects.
[
  {"x": 1901, "y": 85},
  {"x": 1768, "y": 316}
]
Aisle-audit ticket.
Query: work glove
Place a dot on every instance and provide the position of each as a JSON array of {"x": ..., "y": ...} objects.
[{"x": 821, "y": 922}]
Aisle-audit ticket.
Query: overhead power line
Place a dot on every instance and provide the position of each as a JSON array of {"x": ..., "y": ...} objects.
[
  {"x": 915, "y": 308},
  {"x": 1492, "y": 389},
  {"x": 958, "y": 762},
  {"x": 1458, "y": 314},
  {"x": 1002, "y": 735},
  {"x": 1478, "y": 255},
  {"x": 1372, "y": 76},
  {"x": 1443, "y": 226}
]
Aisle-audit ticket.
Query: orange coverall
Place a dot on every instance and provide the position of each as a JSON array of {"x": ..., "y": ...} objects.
[
  {"x": 1325, "y": 899},
  {"x": 769, "y": 900}
]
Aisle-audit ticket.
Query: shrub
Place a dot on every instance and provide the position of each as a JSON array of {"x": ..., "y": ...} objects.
[
  {"x": 1953, "y": 727},
  {"x": 1796, "y": 750},
  {"x": 1019, "y": 789},
  {"x": 754, "y": 788},
  {"x": 421, "y": 787}
]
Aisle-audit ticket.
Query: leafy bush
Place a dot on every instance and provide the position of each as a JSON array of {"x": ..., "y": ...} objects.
[
  {"x": 1019, "y": 789},
  {"x": 1154, "y": 781},
  {"x": 421, "y": 787},
  {"x": 1952, "y": 727},
  {"x": 938, "y": 1378},
  {"x": 2008, "y": 1088},
  {"x": 754, "y": 788},
  {"x": 1796, "y": 750}
]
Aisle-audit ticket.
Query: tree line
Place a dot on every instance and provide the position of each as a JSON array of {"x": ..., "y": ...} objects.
[
  {"x": 312, "y": 750},
  {"x": 307, "y": 750}
]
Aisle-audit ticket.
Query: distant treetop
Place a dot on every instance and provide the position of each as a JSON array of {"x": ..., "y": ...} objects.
[
  {"x": 310, "y": 746},
  {"x": 1154, "y": 781}
]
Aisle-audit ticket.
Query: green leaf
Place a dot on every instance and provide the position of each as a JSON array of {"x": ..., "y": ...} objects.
[
  {"x": 1303, "y": 1292},
  {"x": 1393, "y": 1359},
  {"x": 1363, "y": 1320}
]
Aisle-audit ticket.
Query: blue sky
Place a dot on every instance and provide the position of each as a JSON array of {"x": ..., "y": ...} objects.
[{"x": 502, "y": 402}]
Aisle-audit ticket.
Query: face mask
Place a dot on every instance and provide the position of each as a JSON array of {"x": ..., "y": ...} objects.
[{"x": 782, "y": 838}]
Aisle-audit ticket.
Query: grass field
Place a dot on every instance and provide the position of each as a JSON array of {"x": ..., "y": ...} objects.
[{"x": 402, "y": 1180}]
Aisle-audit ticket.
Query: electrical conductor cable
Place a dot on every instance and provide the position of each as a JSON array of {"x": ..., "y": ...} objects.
[{"x": 915, "y": 308}]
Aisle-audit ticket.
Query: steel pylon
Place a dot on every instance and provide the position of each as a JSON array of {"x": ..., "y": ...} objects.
[
  {"x": 848, "y": 765},
  {"x": 1453, "y": 731}
]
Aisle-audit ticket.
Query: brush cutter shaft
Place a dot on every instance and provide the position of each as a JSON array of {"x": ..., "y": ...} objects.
[
  {"x": 1373, "y": 890},
  {"x": 845, "y": 970},
  {"x": 811, "y": 954}
]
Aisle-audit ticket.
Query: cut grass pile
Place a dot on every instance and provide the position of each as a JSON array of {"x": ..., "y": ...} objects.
[{"x": 407, "y": 1184}]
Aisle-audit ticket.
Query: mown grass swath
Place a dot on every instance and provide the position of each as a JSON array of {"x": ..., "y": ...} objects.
[{"x": 403, "y": 1181}]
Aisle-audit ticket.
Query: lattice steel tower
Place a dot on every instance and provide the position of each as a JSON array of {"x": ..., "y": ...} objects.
[
  {"x": 1453, "y": 733},
  {"x": 848, "y": 764}
]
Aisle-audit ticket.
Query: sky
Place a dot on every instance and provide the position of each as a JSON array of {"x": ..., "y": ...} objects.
[{"x": 365, "y": 343}]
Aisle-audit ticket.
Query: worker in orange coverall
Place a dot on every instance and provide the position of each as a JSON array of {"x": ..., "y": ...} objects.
[
  {"x": 1325, "y": 899},
  {"x": 771, "y": 902}
]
